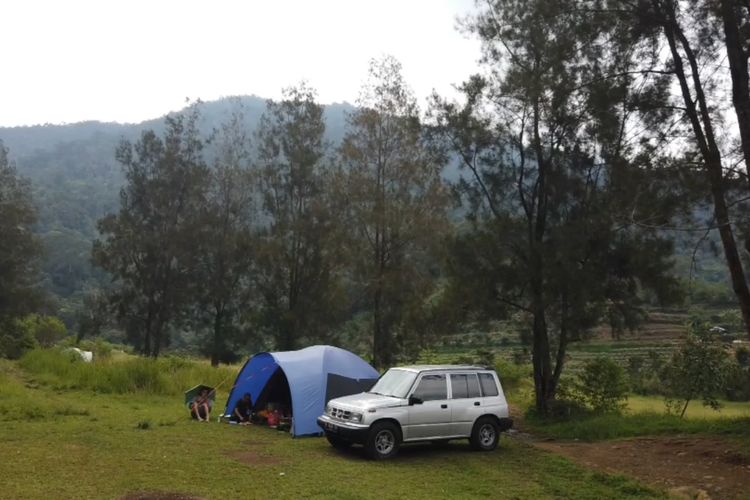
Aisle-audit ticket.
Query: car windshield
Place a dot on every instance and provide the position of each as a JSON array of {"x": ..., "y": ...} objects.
[{"x": 395, "y": 383}]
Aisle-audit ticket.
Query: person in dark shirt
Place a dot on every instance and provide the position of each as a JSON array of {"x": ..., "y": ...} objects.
[{"x": 243, "y": 410}]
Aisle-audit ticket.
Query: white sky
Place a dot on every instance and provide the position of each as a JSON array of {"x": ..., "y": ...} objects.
[{"x": 65, "y": 61}]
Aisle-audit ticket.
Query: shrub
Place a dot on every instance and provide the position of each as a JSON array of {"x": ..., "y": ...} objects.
[
  {"x": 521, "y": 357},
  {"x": 603, "y": 385},
  {"x": 512, "y": 375},
  {"x": 565, "y": 409},
  {"x": 485, "y": 357},
  {"x": 15, "y": 341},
  {"x": 742, "y": 355},
  {"x": 48, "y": 330},
  {"x": 738, "y": 383},
  {"x": 699, "y": 369}
]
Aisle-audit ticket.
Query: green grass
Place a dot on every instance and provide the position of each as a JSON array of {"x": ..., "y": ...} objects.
[
  {"x": 602, "y": 427},
  {"x": 92, "y": 443},
  {"x": 647, "y": 416},
  {"x": 729, "y": 409},
  {"x": 123, "y": 374}
]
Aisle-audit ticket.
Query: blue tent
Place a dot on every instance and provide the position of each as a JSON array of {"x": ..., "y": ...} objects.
[{"x": 309, "y": 377}]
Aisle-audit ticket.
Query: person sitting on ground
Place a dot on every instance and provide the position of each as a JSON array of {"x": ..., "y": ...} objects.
[
  {"x": 201, "y": 408},
  {"x": 243, "y": 410}
]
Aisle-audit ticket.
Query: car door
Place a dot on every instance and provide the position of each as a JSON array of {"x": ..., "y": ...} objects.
[
  {"x": 432, "y": 417},
  {"x": 465, "y": 403}
]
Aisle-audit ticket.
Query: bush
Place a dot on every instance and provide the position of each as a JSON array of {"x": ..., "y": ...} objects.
[
  {"x": 699, "y": 369},
  {"x": 738, "y": 383},
  {"x": 512, "y": 375},
  {"x": 603, "y": 385},
  {"x": 742, "y": 355},
  {"x": 565, "y": 409},
  {"x": 48, "y": 330},
  {"x": 16, "y": 339},
  {"x": 485, "y": 357}
]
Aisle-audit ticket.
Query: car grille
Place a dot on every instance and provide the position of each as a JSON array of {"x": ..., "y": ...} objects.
[{"x": 340, "y": 414}]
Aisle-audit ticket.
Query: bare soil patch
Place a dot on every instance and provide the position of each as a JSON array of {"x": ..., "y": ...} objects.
[{"x": 692, "y": 467}]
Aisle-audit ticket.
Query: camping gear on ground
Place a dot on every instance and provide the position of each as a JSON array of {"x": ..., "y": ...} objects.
[{"x": 300, "y": 383}]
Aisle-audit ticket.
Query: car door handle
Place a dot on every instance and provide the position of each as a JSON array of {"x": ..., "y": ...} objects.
[
  {"x": 443, "y": 406},
  {"x": 476, "y": 403}
]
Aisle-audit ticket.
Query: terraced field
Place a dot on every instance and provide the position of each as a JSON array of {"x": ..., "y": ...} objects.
[{"x": 659, "y": 335}]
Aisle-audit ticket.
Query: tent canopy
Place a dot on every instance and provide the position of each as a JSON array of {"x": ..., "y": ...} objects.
[{"x": 315, "y": 375}]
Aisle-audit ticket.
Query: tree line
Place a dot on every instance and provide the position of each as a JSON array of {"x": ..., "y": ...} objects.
[
  {"x": 593, "y": 130},
  {"x": 275, "y": 234}
]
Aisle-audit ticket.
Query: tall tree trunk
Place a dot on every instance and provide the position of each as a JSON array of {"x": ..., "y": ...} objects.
[
  {"x": 541, "y": 359},
  {"x": 216, "y": 348},
  {"x": 146, "y": 350},
  {"x": 156, "y": 348},
  {"x": 738, "y": 68},
  {"x": 381, "y": 340},
  {"x": 731, "y": 14},
  {"x": 700, "y": 121},
  {"x": 562, "y": 345}
]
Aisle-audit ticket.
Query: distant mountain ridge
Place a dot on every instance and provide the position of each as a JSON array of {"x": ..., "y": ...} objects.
[
  {"x": 25, "y": 140},
  {"x": 76, "y": 180}
]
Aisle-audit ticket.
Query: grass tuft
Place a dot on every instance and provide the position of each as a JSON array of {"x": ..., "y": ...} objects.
[{"x": 143, "y": 425}]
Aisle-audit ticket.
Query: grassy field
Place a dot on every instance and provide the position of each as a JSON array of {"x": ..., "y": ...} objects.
[
  {"x": 68, "y": 435},
  {"x": 729, "y": 409}
]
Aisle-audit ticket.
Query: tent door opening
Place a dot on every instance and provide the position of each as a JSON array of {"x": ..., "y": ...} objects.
[{"x": 274, "y": 403}]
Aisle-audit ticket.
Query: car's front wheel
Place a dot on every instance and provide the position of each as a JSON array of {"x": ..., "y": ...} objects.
[
  {"x": 485, "y": 434},
  {"x": 383, "y": 441}
]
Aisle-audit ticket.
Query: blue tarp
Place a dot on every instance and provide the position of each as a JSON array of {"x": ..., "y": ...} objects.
[{"x": 307, "y": 372}]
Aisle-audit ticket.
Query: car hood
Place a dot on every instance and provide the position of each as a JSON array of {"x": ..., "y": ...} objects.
[{"x": 366, "y": 400}]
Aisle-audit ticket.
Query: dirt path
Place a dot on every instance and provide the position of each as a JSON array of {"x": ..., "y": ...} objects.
[{"x": 693, "y": 467}]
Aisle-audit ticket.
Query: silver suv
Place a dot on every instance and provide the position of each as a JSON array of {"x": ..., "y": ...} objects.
[{"x": 420, "y": 403}]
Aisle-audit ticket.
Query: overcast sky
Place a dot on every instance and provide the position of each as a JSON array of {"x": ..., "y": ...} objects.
[{"x": 114, "y": 60}]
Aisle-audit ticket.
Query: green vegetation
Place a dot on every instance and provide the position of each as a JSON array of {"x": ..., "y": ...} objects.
[
  {"x": 139, "y": 441},
  {"x": 603, "y": 386},
  {"x": 646, "y": 423},
  {"x": 131, "y": 374}
]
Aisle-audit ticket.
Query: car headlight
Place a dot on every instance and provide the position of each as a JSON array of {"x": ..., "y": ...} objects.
[
  {"x": 328, "y": 409},
  {"x": 356, "y": 417}
]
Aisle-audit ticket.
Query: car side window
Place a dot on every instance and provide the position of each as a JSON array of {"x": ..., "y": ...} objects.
[
  {"x": 464, "y": 386},
  {"x": 489, "y": 387},
  {"x": 431, "y": 388}
]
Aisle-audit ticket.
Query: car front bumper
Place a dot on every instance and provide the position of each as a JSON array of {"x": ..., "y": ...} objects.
[{"x": 355, "y": 433}]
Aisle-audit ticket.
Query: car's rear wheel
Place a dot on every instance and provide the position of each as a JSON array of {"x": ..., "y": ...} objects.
[
  {"x": 338, "y": 443},
  {"x": 383, "y": 441},
  {"x": 485, "y": 434}
]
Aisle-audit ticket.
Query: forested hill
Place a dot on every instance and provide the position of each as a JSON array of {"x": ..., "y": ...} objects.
[{"x": 76, "y": 180}]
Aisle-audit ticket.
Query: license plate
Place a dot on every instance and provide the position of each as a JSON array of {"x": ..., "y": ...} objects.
[{"x": 331, "y": 427}]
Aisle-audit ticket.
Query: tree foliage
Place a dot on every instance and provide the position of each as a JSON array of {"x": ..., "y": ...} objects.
[
  {"x": 603, "y": 385},
  {"x": 698, "y": 370},
  {"x": 551, "y": 166},
  {"x": 691, "y": 33},
  {"x": 396, "y": 205},
  {"x": 19, "y": 247},
  {"x": 299, "y": 267},
  {"x": 227, "y": 240},
  {"x": 148, "y": 246}
]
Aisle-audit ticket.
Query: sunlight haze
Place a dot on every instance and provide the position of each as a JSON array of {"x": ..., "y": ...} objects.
[{"x": 78, "y": 60}]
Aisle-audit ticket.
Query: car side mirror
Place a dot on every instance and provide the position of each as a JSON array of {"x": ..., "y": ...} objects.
[{"x": 413, "y": 400}]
